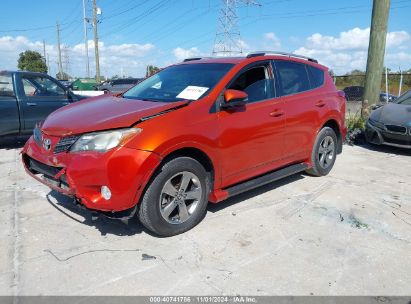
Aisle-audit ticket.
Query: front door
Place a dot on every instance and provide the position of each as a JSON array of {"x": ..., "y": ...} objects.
[
  {"x": 43, "y": 95},
  {"x": 251, "y": 137}
]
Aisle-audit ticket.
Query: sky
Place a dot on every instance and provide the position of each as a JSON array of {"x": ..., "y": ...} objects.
[{"x": 135, "y": 33}]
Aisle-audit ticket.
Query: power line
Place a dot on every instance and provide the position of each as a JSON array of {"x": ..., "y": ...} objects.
[
  {"x": 124, "y": 11},
  {"x": 133, "y": 21}
]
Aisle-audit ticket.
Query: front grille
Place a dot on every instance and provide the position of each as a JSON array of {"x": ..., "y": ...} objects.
[
  {"x": 65, "y": 143},
  {"x": 37, "y": 135},
  {"x": 397, "y": 139},
  {"x": 38, "y": 167},
  {"x": 396, "y": 129},
  {"x": 47, "y": 172}
]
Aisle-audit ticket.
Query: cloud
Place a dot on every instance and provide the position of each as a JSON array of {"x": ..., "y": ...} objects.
[
  {"x": 182, "y": 54},
  {"x": 354, "y": 39},
  {"x": 348, "y": 50},
  {"x": 127, "y": 49},
  {"x": 129, "y": 58},
  {"x": 272, "y": 42}
]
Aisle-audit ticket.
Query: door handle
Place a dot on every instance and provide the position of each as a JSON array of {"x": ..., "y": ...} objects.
[
  {"x": 320, "y": 104},
  {"x": 276, "y": 113},
  {"x": 32, "y": 104},
  {"x": 66, "y": 103}
]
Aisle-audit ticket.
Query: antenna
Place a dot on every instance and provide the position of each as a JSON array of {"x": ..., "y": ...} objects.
[{"x": 228, "y": 39}]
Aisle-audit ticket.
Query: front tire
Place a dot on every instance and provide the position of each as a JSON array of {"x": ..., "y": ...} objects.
[
  {"x": 176, "y": 198},
  {"x": 324, "y": 152}
]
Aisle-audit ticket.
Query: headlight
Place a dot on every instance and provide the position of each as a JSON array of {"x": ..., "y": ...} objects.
[
  {"x": 376, "y": 124},
  {"x": 103, "y": 141}
]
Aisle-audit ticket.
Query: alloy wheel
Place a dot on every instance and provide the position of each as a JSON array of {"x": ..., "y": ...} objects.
[
  {"x": 326, "y": 152},
  {"x": 180, "y": 197}
]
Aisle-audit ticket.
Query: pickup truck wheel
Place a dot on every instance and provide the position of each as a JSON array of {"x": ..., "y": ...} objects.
[
  {"x": 324, "y": 152},
  {"x": 176, "y": 199}
]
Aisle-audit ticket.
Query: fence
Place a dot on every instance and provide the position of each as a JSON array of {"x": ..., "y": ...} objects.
[{"x": 393, "y": 83}]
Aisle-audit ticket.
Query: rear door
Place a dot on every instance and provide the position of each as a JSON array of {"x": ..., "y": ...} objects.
[
  {"x": 303, "y": 104},
  {"x": 9, "y": 112},
  {"x": 42, "y": 95},
  {"x": 251, "y": 137}
]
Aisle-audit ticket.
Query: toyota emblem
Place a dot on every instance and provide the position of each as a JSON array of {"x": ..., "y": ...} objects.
[{"x": 47, "y": 144}]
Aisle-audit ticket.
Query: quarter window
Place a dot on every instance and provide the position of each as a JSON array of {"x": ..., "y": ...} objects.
[
  {"x": 316, "y": 76},
  {"x": 292, "y": 77}
]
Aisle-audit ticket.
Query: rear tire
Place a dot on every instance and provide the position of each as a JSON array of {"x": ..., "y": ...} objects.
[
  {"x": 176, "y": 198},
  {"x": 324, "y": 152}
]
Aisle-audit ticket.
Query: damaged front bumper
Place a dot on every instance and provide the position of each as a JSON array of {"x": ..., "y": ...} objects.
[
  {"x": 82, "y": 175},
  {"x": 376, "y": 133}
]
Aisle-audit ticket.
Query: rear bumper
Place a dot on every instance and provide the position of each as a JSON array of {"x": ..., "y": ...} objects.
[
  {"x": 81, "y": 175},
  {"x": 378, "y": 136}
]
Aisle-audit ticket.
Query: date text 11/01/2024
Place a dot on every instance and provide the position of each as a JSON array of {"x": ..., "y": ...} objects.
[{"x": 204, "y": 299}]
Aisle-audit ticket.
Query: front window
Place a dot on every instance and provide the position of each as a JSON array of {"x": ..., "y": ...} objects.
[
  {"x": 404, "y": 99},
  {"x": 41, "y": 86},
  {"x": 180, "y": 82}
]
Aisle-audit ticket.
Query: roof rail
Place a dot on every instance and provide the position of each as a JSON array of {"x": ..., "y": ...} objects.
[
  {"x": 192, "y": 59},
  {"x": 264, "y": 53}
]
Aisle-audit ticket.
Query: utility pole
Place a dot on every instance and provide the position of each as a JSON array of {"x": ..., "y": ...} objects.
[
  {"x": 48, "y": 64},
  {"x": 44, "y": 54},
  {"x": 376, "y": 50},
  {"x": 96, "y": 41},
  {"x": 227, "y": 39},
  {"x": 400, "y": 87},
  {"x": 44, "y": 50},
  {"x": 86, "y": 39},
  {"x": 59, "y": 50}
]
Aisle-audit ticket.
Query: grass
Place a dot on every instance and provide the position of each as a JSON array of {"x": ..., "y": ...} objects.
[{"x": 355, "y": 121}]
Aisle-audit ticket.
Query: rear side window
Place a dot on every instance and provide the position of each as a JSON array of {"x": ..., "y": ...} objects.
[
  {"x": 316, "y": 76},
  {"x": 292, "y": 77}
]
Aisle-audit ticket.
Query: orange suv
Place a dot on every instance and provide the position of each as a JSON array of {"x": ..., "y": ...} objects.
[{"x": 196, "y": 132}]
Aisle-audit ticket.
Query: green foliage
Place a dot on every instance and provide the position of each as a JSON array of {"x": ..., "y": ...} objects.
[
  {"x": 151, "y": 70},
  {"x": 63, "y": 76},
  {"x": 357, "y": 78},
  {"x": 31, "y": 61},
  {"x": 355, "y": 121}
]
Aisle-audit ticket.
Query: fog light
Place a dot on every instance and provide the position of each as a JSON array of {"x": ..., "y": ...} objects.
[{"x": 105, "y": 193}]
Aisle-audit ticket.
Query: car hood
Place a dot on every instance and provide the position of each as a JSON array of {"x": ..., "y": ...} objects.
[
  {"x": 102, "y": 113},
  {"x": 393, "y": 113}
]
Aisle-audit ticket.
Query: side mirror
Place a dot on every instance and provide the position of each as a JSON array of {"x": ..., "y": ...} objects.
[{"x": 234, "y": 99}]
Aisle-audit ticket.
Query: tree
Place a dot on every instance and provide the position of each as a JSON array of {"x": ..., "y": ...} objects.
[
  {"x": 356, "y": 72},
  {"x": 31, "y": 61},
  {"x": 63, "y": 76},
  {"x": 151, "y": 70}
]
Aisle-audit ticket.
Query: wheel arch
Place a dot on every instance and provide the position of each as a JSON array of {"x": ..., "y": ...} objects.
[
  {"x": 333, "y": 124},
  {"x": 193, "y": 152}
]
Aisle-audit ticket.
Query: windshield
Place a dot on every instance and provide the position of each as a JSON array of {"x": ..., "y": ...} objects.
[
  {"x": 404, "y": 99},
  {"x": 180, "y": 82}
]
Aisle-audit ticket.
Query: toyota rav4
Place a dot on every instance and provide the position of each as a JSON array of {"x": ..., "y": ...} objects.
[{"x": 196, "y": 132}]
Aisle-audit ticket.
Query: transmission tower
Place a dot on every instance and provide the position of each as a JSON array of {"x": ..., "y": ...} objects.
[
  {"x": 66, "y": 59},
  {"x": 228, "y": 39}
]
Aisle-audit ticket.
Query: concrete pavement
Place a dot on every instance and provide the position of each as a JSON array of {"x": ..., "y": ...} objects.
[{"x": 345, "y": 234}]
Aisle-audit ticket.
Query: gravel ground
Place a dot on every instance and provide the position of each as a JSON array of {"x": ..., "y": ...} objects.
[{"x": 348, "y": 233}]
